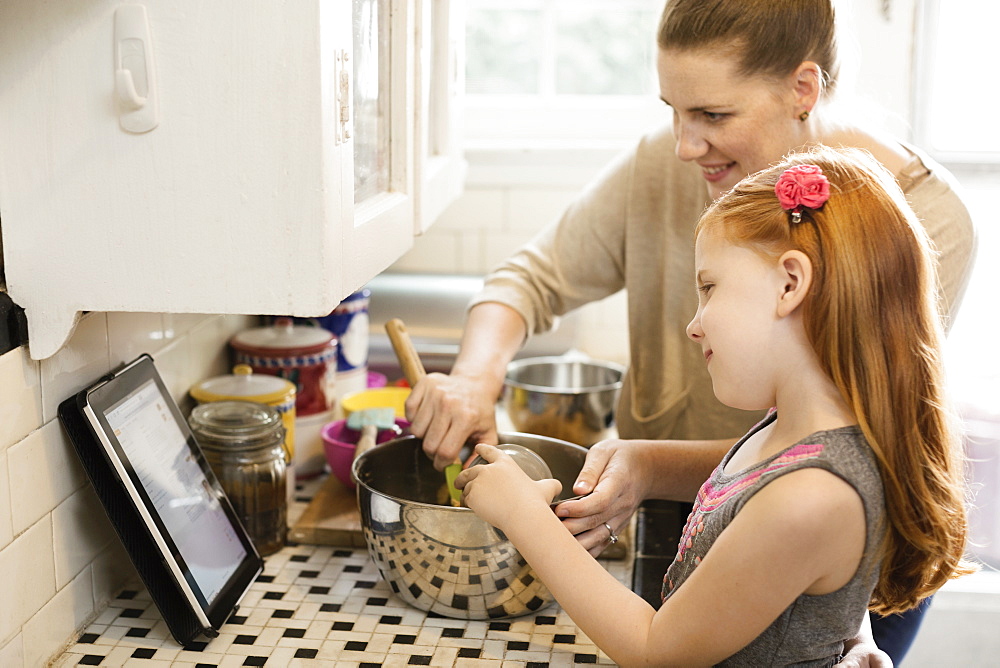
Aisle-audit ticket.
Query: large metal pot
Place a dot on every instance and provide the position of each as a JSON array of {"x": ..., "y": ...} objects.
[
  {"x": 445, "y": 559},
  {"x": 568, "y": 397}
]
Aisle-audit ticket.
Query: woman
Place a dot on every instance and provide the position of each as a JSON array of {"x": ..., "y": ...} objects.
[{"x": 747, "y": 82}]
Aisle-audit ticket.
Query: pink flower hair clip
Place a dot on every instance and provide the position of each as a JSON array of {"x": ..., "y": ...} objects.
[{"x": 802, "y": 186}]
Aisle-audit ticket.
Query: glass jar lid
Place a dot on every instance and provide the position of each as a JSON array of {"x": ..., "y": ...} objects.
[{"x": 236, "y": 424}]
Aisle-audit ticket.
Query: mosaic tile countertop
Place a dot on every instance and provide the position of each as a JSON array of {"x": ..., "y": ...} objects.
[{"x": 327, "y": 606}]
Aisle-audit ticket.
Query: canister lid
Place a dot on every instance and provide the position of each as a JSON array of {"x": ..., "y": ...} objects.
[
  {"x": 243, "y": 383},
  {"x": 236, "y": 424},
  {"x": 284, "y": 338}
]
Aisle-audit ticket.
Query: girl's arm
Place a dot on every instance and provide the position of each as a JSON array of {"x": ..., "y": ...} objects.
[{"x": 802, "y": 533}]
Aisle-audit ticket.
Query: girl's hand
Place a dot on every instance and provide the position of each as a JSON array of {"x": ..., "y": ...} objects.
[
  {"x": 500, "y": 492},
  {"x": 611, "y": 478}
]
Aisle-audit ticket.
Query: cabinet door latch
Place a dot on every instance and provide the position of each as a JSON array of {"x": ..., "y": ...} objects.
[{"x": 343, "y": 95}]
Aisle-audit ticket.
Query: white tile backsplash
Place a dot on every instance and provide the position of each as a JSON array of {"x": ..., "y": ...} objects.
[
  {"x": 12, "y": 654},
  {"x": 28, "y": 581},
  {"x": 131, "y": 334},
  {"x": 20, "y": 396},
  {"x": 504, "y": 205},
  {"x": 110, "y": 571},
  {"x": 80, "y": 362},
  {"x": 476, "y": 209},
  {"x": 44, "y": 470},
  {"x": 60, "y": 559},
  {"x": 80, "y": 532},
  {"x": 531, "y": 209},
  {"x": 176, "y": 366},
  {"x": 432, "y": 253},
  {"x": 55, "y": 624},
  {"x": 6, "y": 526}
]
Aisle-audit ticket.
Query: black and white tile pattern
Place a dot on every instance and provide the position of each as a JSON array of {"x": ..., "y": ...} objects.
[{"x": 328, "y": 606}]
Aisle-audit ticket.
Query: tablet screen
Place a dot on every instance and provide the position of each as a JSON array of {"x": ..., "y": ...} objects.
[
  {"x": 172, "y": 479},
  {"x": 192, "y": 528}
]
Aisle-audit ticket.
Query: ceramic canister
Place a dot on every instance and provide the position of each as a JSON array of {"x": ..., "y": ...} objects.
[
  {"x": 243, "y": 385},
  {"x": 349, "y": 323},
  {"x": 306, "y": 356}
]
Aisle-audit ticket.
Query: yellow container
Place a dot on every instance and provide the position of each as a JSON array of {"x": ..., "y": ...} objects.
[
  {"x": 378, "y": 397},
  {"x": 244, "y": 385}
]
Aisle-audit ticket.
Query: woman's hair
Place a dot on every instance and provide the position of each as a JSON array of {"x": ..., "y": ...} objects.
[
  {"x": 769, "y": 37},
  {"x": 871, "y": 316}
]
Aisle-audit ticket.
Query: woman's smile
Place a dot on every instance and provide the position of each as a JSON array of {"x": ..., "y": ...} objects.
[{"x": 714, "y": 173}]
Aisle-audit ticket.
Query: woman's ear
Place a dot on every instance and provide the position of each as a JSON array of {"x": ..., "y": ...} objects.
[
  {"x": 796, "y": 273},
  {"x": 807, "y": 81}
]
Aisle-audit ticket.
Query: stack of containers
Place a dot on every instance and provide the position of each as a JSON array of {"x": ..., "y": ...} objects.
[{"x": 307, "y": 357}]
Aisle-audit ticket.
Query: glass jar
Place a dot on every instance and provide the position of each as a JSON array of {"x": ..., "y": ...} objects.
[{"x": 243, "y": 442}]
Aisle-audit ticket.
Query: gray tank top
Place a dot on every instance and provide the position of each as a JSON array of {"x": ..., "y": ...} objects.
[{"x": 812, "y": 630}]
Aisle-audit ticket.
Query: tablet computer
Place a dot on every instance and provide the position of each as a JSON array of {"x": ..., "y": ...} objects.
[{"x": 179, "y": 529}]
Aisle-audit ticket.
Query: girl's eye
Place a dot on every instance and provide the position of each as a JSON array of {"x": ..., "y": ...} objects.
[{"x": 705, "y": 287}]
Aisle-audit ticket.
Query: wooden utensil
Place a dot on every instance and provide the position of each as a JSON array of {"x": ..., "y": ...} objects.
[{"x": 413, "y": 370}]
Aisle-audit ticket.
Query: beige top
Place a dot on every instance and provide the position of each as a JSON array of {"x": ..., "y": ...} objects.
[{"x": 633, "y": 228}]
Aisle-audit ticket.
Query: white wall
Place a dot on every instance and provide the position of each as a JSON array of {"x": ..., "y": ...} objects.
[{"x": 60, "y": 561}]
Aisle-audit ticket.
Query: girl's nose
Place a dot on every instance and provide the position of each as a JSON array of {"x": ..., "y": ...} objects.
[{"x": 693, "y": 329}]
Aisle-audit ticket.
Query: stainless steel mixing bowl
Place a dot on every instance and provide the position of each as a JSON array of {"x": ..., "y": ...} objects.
[
  {"x": 569, "y": 398},
  {"x": 445, "y": 559}
]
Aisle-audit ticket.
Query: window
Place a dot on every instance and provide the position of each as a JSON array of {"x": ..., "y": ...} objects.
[
  {"x": 954, "y": 118},
  {"x": 542, "y": 72},
  {"x": 957, "y": 93}
]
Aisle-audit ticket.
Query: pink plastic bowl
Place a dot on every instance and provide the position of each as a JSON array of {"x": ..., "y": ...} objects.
[{"x": 339, "y": 442}]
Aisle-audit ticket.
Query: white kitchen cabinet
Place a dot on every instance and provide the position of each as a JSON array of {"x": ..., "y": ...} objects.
[
  {"x": 440, "y": 72},
  {"x": 205, "y": 157}
]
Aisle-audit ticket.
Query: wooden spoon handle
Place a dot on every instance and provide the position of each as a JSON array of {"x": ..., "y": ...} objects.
[
  {"x": 412, "y": 367},
  {"x": 367, "y": 440}
]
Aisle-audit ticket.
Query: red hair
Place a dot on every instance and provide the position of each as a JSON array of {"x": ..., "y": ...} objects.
[{"x": 871, "y": 316}]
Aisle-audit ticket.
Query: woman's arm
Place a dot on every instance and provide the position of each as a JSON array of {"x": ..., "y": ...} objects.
[
  {"x": 618, "y": 475},
  {"x": 448, "y": 410}
]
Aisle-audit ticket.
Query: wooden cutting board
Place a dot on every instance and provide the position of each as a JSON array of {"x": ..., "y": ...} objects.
[{"x": 331, "y": 518}]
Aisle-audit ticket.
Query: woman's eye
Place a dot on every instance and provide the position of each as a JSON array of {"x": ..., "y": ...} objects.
[
  {"x": 714, "y": 117},
  {"x": 705, "y": 287}
]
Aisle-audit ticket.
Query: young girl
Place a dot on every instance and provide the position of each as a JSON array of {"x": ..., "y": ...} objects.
[{"x": 816, "y": 298}]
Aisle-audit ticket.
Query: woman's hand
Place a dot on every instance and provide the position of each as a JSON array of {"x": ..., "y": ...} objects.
[
  {"x": 862, "y": 652},
  {"x": 612, "y": 477},
  {"x": 446, "y": 411},
  {"x": 500, "y": 492}
]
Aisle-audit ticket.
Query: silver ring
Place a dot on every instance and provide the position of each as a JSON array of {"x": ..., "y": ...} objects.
[{"x": 612, "y": 537}]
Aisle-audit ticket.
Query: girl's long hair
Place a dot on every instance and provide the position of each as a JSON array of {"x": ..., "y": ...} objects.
[{"x": 871, "y": 316}]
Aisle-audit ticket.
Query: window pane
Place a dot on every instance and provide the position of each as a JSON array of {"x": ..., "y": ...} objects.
[
  {"x": 624, "y": 60},
  {"x": 503, "y": 51},
  {"x": 371, "y": 110},
  {"x": 962, "y": 81}
]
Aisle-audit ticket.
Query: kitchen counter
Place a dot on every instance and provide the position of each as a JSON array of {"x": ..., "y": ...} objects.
[{"x": 325, "y": 606}]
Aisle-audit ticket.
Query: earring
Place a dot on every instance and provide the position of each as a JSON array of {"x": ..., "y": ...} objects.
[{"x": 804, "y": 115}]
